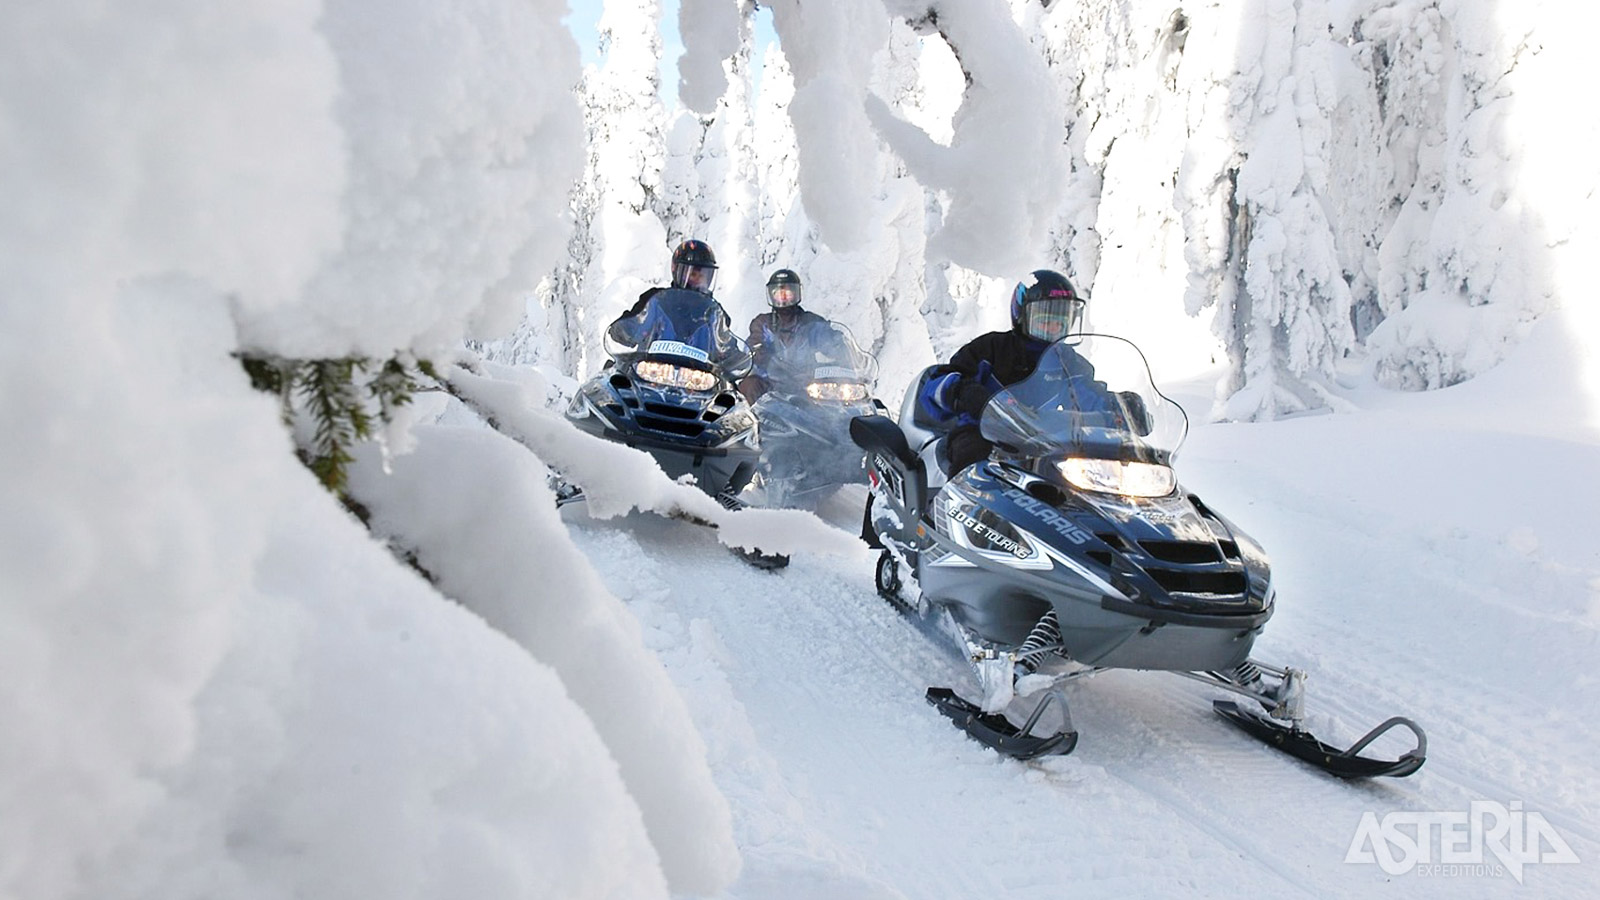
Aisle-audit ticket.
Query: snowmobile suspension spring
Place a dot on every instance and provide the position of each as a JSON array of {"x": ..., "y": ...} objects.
[{"x": 1045, "y": 636}]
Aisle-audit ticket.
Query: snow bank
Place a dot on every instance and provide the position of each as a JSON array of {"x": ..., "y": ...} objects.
[
  {"x": 212, "y": 681},
  {"x": 129, "y": 519},
  {"x": 475, "y": 509},
  {"x": 365, "y": 736}
]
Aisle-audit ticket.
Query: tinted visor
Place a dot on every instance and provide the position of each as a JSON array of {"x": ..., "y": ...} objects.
[
  {"x": 694, "y": 278},
  {"x": 1052, "y": 320},
  {"x": 783, "y": 296}
]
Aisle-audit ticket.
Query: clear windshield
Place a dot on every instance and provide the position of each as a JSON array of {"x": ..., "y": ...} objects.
[
  {"x": 680, "y": 323},
  {"x": 1091, "y": 395},
  {"x": 819, "y": 351}
]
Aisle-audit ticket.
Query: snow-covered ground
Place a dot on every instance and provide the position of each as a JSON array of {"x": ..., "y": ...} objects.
[
  {"x": 215, "y": 682},
  {"x": 1433, "y": 557}
]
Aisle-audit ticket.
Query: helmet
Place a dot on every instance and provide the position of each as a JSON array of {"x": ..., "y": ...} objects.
[
  {"x": 693, "y": 266},
  {"x": 1046, "y": 307},
  {"x": 783, "y": 290}
]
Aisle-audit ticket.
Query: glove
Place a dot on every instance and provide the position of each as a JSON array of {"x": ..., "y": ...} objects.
[
  {"x": 986, "y": 377},
  {"x": 942, "y": 392},
  {"x": 971, "y": 397}
]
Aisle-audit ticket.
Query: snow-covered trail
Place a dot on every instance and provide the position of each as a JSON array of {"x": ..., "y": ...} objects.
[
  {"x": 808, "y": 691},
  {"x": 1477, "y": 597}
]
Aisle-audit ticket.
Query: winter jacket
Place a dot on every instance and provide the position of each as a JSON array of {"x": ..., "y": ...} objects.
[
  {"x": 620, "y": 326},
  {"x": 985, "y": 365},
  {"x": 767, "y": 331}
]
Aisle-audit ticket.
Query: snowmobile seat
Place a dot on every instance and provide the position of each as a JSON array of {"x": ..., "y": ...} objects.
[{"x": 883, "y": 438}]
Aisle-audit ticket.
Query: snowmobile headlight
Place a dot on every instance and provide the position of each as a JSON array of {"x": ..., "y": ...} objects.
[
  {"x": 843, "y": 391},
  {"x": 1112, "y": 476},
  {"x": 670, "y": 375}
]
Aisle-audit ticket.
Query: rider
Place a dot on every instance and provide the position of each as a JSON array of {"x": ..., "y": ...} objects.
[
  {"x": 694, "y": 267},
  {"x": 769, "y": 331},
  {"x": 1045, "y": 307}
]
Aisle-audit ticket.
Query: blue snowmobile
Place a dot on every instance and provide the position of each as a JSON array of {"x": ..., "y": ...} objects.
[
  {"x": 668, "y": 389},
  {"x": 816, "y": 381}
]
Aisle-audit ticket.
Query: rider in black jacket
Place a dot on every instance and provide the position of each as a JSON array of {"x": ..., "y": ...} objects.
[{"x": 1045, "y": 307}]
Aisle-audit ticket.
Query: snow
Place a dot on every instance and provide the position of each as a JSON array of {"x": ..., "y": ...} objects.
[{"x": 215, "y": 681}]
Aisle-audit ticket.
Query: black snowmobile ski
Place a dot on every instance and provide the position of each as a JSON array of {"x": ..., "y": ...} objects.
[
  {"x": 993, "y": 730},
  {"x": 1342, "y": 763}
]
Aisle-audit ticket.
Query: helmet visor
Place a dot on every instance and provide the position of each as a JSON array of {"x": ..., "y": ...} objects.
[
  {"x": 1052, "y": 320},
  {"x": 694, "y": 278},
  {"x": 783, "y": 296}
]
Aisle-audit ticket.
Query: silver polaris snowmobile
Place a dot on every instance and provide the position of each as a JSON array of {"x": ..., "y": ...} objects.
[{"x": 1072, "y": 550}]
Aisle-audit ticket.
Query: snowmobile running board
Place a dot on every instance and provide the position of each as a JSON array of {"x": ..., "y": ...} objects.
[
  {"x": 993, "y": 731},
  {"x": 1341, "y": 763}
]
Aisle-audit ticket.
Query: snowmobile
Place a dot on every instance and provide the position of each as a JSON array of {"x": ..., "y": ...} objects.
[
  {"x": 1073, "y": 550},
  {"x": 816, "y": 381},
  {"x": 668, "y": 389}
]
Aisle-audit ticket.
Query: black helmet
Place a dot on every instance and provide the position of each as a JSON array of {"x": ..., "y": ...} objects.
[
  {"x": 694, "y": 266},
  {"x": 1045, "y": 306},
  {"x": 783, "y": 290}
]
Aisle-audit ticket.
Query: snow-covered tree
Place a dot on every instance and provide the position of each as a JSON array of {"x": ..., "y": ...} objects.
[
  {"x": 712, "y": 168},
  {"x": 619, "y": 245},
  {"x": 1464, "y": 268},
  {"x": 1323, "y": 167}
]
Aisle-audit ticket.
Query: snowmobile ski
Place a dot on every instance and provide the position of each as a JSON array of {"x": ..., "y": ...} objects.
[
  {"x": 767, "y": 562},
  {"x": 1341, "y": 763},
  {"x": 993, "y": 730}
]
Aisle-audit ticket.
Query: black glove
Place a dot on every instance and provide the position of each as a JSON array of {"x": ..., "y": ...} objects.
[{"x": 971, "y": 397}]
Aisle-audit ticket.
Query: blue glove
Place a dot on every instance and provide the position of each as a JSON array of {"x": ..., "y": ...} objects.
[
  {"x": 939, "y": 396},
  {"x": 987, "y": 378}
]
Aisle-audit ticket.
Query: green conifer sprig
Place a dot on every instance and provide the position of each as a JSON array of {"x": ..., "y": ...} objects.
[
  {"x": 342, "y": 402},
  {"x": 328, "y": 390}
]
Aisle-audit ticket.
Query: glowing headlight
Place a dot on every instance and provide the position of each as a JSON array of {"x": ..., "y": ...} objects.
[
  {"x": 846, "y": 391},
  {"x": 670, "y": 375},
  {"x": 1110, "y": 476}
]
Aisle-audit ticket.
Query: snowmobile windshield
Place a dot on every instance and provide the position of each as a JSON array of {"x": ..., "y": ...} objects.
[
  {"x": 1090, "y": 396},
  {"x": 820, "y": 358},
  {"x": 680, "y": 323}
]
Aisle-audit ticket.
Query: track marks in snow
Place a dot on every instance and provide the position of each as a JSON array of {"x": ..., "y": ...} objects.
[{"x": 810, "y": 690}]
